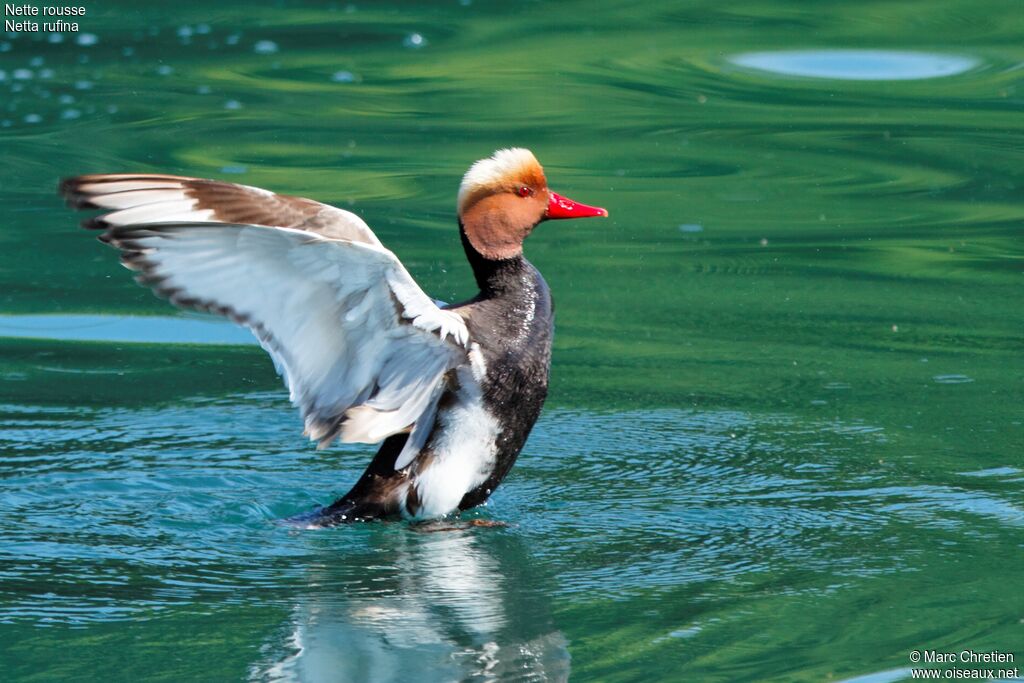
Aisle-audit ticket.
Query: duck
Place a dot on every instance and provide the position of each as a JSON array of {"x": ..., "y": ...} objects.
[{"x": 450, "y": 392}]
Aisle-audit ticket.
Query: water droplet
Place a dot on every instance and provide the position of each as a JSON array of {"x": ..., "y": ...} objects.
[
  {"x": 185, "y": 31},
  {"x": 70, "y": 114},
  {"x": 3, "y": 75},
  {"x": 83, "y": 85},
  {"x": 165, "y": 69},
  {"x": 203, "y": 90},
  {"x": 233, "y": 39},
  {"x": 202, "y": 29},
  {"x": 234, "y": 169},
  {"x": 128, "y": 52},
  {"x": 232, "y": 104},
  {"x": 343, "y": 77},
  {"x": 685, "y": 632},
  {"x": 35, "y": 61},
  {"x": 23, "y": 74},
  {"x": 47, "y": 73},
  {"x": 265, "y": 47},
  {"x": 857, "y": 65},
  {"x": 87, "y": 39},
  {"x": 33, "y": 118},
  {"x": 952, "y": 379},
  {"x": 764, "y": 242},
  {"x": 691, "y": 227},
  {"x": 414, "y": 41}
]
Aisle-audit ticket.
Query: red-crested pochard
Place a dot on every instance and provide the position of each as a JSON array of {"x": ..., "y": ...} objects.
[{"x": 451, "y": 390}]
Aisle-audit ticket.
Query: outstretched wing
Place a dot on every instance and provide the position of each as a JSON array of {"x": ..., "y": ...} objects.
[
  {"x": 167, "y": 198},
  {"x": 362, "y": 349}
]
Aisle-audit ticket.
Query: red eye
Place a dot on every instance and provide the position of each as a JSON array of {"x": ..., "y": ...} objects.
[{"x": 525, "y": 191}]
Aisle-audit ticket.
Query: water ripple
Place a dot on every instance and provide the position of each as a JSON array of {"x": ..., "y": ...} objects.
[{"x": 857, "y": 65}]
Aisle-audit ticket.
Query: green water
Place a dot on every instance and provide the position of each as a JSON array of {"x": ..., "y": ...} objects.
[{"x": 784, "y": 440}]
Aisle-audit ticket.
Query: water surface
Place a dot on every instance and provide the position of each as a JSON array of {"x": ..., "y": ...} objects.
[{"x": 784, "y": 436}]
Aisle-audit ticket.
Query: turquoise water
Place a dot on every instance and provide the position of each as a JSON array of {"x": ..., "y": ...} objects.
[{"x": 784, "y": 440}]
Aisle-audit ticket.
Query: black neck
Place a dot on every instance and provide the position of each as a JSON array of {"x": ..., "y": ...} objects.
[{"x": 493, "y": 276}]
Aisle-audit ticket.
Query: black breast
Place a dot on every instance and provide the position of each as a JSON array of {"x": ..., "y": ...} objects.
[{"x": 513, "y": 322}]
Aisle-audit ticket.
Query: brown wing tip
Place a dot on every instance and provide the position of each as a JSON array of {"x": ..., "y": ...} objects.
[
  {"x": 70, "y": 190},
  {"x": 66, "y": 185},
  {"x": 77, "y": 198},
  {"x": 95, "y": 223},
  {"x": 323, "y": 432}
]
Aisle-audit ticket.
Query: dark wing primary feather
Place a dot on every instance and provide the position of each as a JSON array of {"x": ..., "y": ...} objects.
[{"x": 362, "y": 349}]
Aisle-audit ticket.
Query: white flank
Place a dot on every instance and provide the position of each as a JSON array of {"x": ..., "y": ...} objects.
[
  {"x": 464, "y": 452},
  {"x": 477, "y": 362}
]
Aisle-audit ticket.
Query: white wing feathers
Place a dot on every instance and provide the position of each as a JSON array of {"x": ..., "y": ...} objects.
[{"x": 362, "y": 349}]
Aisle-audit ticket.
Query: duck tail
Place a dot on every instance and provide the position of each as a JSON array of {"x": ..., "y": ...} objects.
[
  {"x": 379, "y": 493},
  {"x": 342, "y": 511}
]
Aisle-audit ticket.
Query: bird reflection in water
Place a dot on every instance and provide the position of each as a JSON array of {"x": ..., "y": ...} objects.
[{"x": 460, "y": 603}]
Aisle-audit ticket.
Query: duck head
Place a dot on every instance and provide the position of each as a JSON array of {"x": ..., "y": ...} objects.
[{"x": 502, "y": 199}]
